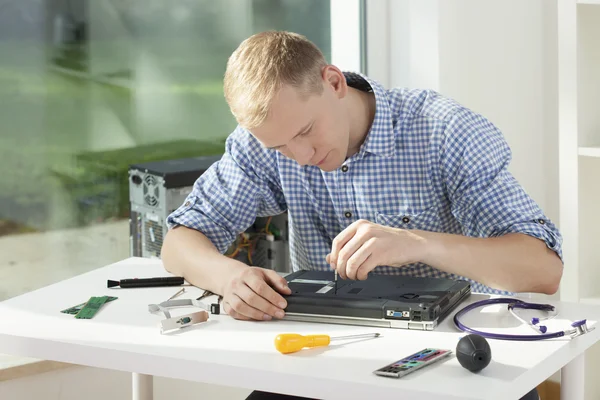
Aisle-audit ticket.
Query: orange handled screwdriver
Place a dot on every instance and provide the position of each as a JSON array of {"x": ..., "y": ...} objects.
[{"x": 292, "y": 342}]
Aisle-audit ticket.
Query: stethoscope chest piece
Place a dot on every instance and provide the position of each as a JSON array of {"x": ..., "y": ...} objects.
[{"x": 580, "y": 328}]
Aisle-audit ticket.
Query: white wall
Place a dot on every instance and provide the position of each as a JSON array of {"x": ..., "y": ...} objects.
[{"x": 499, "y": 58}]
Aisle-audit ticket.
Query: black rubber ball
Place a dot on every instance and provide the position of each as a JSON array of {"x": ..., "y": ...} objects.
[{"x": 473, "y": 352}]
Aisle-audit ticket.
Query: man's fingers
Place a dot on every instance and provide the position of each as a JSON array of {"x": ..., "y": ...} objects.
[
  {"x": 346, "y": 253},
  {"x": 367, "y": 266},
  {"x": 241, "y": 307},
  {"x": 255, "y": 298},
  {"x": 278, "y": 282},
  {"x": 232, "y": 313},
  {"x": 338, "y": 242},
  {"x": 358, "y": 258},
  {"x": 263, "y": 289},
  {"x": 331, "y": 264}
]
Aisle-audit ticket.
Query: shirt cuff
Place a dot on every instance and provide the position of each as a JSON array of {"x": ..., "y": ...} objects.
[
  {"x": 540, "y": 228},
  {"x": 195, "y": 214}
]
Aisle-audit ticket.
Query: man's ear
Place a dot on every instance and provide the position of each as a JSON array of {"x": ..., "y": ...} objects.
[{"x": 334, "y": 79}]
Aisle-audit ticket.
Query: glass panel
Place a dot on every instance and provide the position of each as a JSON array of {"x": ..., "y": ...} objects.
[{"x": 88, "y": 88}]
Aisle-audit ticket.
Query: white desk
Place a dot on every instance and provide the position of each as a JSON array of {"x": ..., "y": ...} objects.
[{"x": 125, "y": 336}]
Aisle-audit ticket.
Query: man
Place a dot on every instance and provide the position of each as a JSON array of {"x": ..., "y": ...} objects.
[{"x": 385, "y": 181}]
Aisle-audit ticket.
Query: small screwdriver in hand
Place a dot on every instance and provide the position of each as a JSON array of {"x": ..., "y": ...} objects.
[
  {"x": 335, "y": 284},
  {"x": 293, "y": 342}
]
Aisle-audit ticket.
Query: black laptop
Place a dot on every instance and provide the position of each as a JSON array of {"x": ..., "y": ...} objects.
[{"x": 381, "y": 300}]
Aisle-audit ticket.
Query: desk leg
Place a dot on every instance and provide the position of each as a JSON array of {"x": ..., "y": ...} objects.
[
  {"x": 142, "y": 387},
  {"x": 572, "y": 379}
]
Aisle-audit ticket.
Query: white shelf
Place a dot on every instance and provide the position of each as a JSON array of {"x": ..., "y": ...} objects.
[
  {"x": 589, "y": 151},
  {"x": 579, "y": 147}
]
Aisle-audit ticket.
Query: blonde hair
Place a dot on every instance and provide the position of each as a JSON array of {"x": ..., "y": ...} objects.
[{"x": 261, "y": 65}]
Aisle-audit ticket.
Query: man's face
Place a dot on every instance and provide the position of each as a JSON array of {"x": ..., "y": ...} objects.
[{"x": 311, "y": 131}]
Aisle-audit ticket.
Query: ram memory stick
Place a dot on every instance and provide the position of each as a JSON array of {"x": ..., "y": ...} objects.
[
  {"x": 75, "y": 309},
  {"x": 91, "y": 307}
]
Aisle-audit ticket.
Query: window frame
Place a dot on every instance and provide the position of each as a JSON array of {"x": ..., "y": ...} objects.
[
  {"x": 347, "y": 35},
  {"x": 402, "y": 42}
]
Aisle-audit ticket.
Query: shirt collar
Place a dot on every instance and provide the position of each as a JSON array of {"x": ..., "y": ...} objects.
[{"x": 380, "y": 139}]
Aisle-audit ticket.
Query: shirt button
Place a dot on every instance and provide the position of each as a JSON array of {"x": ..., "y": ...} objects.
[
  {"x": 344, "y": 168},
  {"x": 187, "y": 203},
  {"x": 348, "y": 214},
  {"x": 541, "y": 221},
  {"x": 406, "y": 220}
]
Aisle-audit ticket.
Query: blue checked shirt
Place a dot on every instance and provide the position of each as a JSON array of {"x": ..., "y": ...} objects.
[{"x": 427, "y": 163}]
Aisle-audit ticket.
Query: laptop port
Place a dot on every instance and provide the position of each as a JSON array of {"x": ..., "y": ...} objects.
[
  {"x": 397, "y": 314},
  {"x": 416, "y": 315}
]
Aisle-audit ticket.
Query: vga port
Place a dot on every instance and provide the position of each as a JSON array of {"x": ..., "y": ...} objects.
[{"x": 397, "y": 314}]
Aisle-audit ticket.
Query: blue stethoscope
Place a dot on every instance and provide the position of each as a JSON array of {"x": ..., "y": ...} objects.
[{"x": 577, "y": 328}]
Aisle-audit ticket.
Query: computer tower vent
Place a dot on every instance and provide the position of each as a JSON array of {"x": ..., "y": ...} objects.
[
  {"x": 151, "y": 190},
  {"x": 153, "y": 235}
]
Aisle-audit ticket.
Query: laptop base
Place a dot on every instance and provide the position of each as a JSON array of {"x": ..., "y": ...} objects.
[
  {"x": 383, "y": 323},
  {"x": 390, "y": 301}
]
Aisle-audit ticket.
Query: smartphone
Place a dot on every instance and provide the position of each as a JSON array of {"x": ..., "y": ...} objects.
[{"x": 413, "y": 362}]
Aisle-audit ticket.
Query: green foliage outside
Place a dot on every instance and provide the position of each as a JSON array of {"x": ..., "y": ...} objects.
[
  {"x": 144, "y": 83},
  {"x": 51, "y": 179}
]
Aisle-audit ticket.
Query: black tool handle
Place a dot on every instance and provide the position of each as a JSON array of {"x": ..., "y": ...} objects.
[{"x": 152, "y": 282}]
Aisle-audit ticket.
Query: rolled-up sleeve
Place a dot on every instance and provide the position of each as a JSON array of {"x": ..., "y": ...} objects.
[
  {"x": 227, "y": 198},
  {"x": 486, "y": 198}
]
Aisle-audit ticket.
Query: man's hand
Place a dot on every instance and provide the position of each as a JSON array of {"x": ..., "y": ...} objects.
[
  {"x": 250, "y": 295},
  {"x": 364, "y": 245}
]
